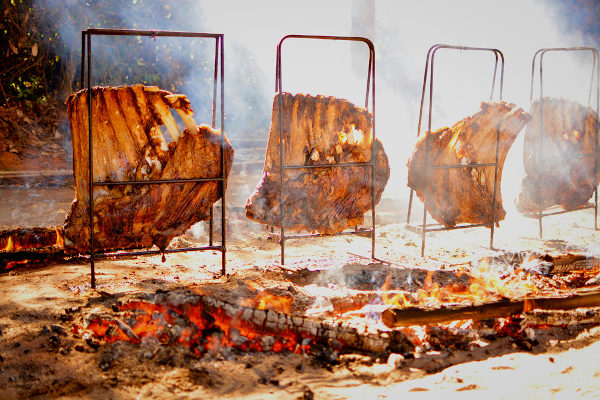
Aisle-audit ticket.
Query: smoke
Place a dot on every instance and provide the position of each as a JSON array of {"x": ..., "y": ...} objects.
[{"x": 402, "y": 32}]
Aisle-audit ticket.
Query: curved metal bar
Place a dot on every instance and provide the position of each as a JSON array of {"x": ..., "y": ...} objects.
[
  {"x": 595, "y": 72},
  {"x": 86, "y": 37},
  {"x": 370, "y": 89},
  {"x": 429, "y": 69}
]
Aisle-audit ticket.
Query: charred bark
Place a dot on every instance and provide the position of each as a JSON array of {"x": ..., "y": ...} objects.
[
  {"x": 464, "y": 195},
  {"x": 394, "y": 317},
  {"x": 558, "y": 173},
  {"x": 243, "y": 327},
  {"x": 12, "y": 240},
  {"x": 129, "y": 145},
  {"x": 562, "y": 317},
  {"x": 317, "y": 131}
]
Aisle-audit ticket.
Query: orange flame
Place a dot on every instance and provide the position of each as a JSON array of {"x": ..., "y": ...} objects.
[
  {"x": 9, "y": 244},
  {"x": 485, "y": 285},
  {"x": 60, "y": 240},
  {"x": 267, "y": 301}
]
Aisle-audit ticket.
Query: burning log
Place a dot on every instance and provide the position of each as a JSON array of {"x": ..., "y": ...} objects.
[
  {"x": 203, "y": 323},
  {"x": 30, "y": 238},
  {"x": 316, "y": 131},
  {"x": 464, "y": 195},
  {"x": 566, "y": 263},
  {"x": 569, "y": 130},
  {"x": 129, "y": 145},
  {"x": 562, "y": 317},
  {"x": 30, "y": 246},
  {"x": 394, "y": 317}
]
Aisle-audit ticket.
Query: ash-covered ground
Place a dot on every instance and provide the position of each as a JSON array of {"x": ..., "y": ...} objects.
[{"x": 42, "y": 357}]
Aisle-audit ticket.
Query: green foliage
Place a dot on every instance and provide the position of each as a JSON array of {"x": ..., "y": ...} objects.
[
  {"x": 25, "y": 63},
  {"x": 41, "y": 45},
  {"x": 40, "y": 50}
]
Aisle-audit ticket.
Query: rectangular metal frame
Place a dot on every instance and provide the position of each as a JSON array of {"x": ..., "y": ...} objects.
[
  {"x": 429, "y": 63},
  {"x": 595, "y": 66},
  {"x": 370, "y": 164},
  {"x": 86, "y": 48}
]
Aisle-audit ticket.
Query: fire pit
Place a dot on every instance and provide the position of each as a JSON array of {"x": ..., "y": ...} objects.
[{"x": 327, "y": 318}]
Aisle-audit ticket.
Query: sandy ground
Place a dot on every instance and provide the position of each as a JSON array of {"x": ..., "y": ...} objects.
[{"x": 41, "y": 358}]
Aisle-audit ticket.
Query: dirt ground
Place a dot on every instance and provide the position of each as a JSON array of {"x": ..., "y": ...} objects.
[{"x": 40, "y": 357}]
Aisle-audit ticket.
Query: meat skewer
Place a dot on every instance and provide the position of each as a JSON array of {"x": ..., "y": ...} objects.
[
  {"x": 319, "y": 131},
  {"x": 562, "y": 172},
  {"x": 464, "y": 195},
  {"x": 129, "y": 146}
]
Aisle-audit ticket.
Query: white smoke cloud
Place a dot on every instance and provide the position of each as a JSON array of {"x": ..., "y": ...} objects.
[{"x": 404, "y": 31}]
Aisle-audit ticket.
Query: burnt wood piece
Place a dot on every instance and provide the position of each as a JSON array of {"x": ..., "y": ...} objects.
[
  {"x": 36, "y": 238},
  {"x": 557, "y": 174},
  {"x": 580, "y": 316},
  {"x": 129, "y": 145},
  {"x": 464, "y": 195},
  {"x": 394, "y": 317},
  {"x": 30, "y": 246},
  {"x": 30, "y": 258},
  {"x": 566, "y": 263},
  {"x": 316, "y": 131},
  {"x": 202, "y": 315}
]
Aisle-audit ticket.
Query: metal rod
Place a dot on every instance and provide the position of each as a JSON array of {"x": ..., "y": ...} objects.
[
  {"x": 540, "y": 150},
  {"x": 90, "y": 159},
  {"x": 283, "y": 167},
  {"x": 221, "y": 39},
  {"x": 494, "y": 77},
  {"x": 535, "y": 215},
  {"x": 496, "y": 166},
  {"x": 355, "y": 164},
  {"x": 212, "y": 124},
  {"x": 151, "y": 33},
  {"x": 373, "y": 215},
  {"x": 155, "y": 252},
  {"x": 596, "y": 64},
  {"x": 156, "y": 181},
  {"x": 359, "y": 231},
  {"x": 440, "y": 229},
  {"x": 124, "y": 32},
  {"x": 370, "y": 66},
  {"x": 82, "y": 79}
]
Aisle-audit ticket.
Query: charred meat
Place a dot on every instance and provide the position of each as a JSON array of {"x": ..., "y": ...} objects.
[
  {"x": 128, "y": 145},
  {"x": 319, "y": 130},
  {"x": 464, "y": 195}
]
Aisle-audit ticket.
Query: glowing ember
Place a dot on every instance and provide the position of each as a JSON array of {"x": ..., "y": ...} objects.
[
  {"x": 13, "y": 264},
  {"x": 204, "y": 324},
  {"x": 267, "y": 301},
  {"x": 201, "y": 330}
]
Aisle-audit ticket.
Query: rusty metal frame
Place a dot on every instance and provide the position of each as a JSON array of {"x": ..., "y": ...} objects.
[
  {"x": 429, "y": 64},
  {"x": 86, "y": 50},
  {"x": 370, "y": 165},
  {"x": 595, "y": 68}
]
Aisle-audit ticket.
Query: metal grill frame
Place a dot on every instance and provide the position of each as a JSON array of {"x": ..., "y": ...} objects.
[
  {"x": 86, "y": 49},
  {"x": 429, "y": 64},
  {"x": 370, "y": 165},
  {"x": 595, "y": 66}
]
